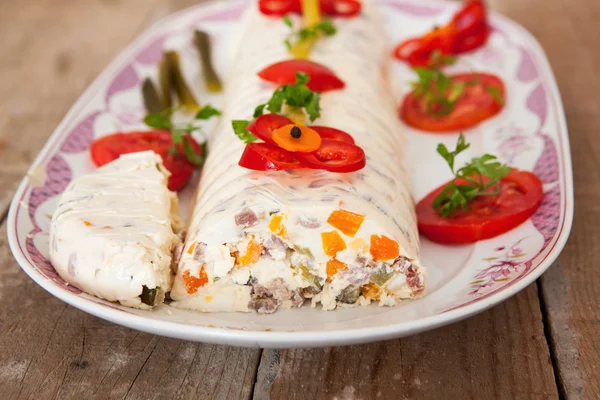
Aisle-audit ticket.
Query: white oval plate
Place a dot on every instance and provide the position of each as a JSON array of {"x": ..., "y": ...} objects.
[{"x": 463, "y": 280}]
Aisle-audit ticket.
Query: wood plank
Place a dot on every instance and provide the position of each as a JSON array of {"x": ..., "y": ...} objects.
[
  {"x": 52, "y": 50},
  {"x": 52, "y": 350},
  {"x": 569, "y": 32},
  {"x": 501, "y": 353}
]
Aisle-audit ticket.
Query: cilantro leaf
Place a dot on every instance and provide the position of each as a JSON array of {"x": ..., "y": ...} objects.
[
  {"x": 160, "y": 120},
  {"x": 207, "y": 112},
  {"x": 191, "y": 155},
  {"x": 240, "y": 129},
  {"x": 477, "y": 178},
  {"x": 259, "y": 110},
  {"x": 439, "y": 93},
  {"x": 325, "y": 27},
  {"x": 276, "y": 101},
  {"x": 179, "y": 133},
  {"x": 302, "y": 78},
  {"x": 496, "y": 93},
  {"x": 312, "y": 107}
]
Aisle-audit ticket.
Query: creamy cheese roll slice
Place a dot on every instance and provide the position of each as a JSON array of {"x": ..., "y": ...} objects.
[
  {"x": 263, "y": 240},
  {"x": 114, "y": 231}
]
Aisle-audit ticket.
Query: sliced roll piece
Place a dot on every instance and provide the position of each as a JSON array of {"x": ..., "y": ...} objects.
[
  {"x": 115, "y": 230},
  {"x": 264, "y": 240}
]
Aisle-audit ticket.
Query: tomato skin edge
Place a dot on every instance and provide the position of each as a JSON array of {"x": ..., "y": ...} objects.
[
  {"x": 447, "y": 231},
  {"x": 110, "y": 147},
  {"x": 447, "y": 124}
]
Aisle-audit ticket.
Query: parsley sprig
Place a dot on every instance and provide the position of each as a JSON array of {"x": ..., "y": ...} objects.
[
  {"x": 296, "y": 97},
  {"x": 324, "y": 27},
  {"x": 480, "y": 175},
  {"x": 439, "y": 91},
  {"x": 164, "y": 120}
]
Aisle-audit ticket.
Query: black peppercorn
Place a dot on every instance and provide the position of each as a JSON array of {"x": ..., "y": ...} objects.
[{"x": 296, "y": 132}]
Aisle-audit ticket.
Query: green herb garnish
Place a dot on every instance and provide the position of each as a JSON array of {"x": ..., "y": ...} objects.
[
  {"x": 324, "y": 27},
  {"x": 164, "y": 121},
  {"x": 296, "y": 97},
  {"x": 207, "y": 112},
  {"x": 240, "y": 129},
  {"x": 439, "y": 92},
  {"x": 479, "y": 175}
]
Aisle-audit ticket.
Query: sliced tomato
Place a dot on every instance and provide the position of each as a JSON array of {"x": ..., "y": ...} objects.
[
  {"x": 333, "y": 134},
  {"x": 268, "y": 157},
  {"x": 334, "y": 156},
  {"x": 341, "y": 8},
  {"x": 476, "y": 104},
  {"x": 322, "y": 79},
  {"x": 109, "y": 148},
  {"x": 487, "y": 216},
  {"x": 264, "y": 126}
]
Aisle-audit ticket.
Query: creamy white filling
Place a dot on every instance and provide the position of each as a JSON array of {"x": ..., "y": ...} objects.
[{"x": 114, "y": 230}]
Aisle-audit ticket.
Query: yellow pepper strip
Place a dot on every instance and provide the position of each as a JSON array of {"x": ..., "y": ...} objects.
[{"x": 311, "y": 12}]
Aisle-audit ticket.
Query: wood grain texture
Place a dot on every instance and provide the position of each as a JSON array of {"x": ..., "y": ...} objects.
[
  {"x": 52, "y": 50},
  {"x": 569, "y": 32},
  {"x": 52, "y": 350},
  {"x": 499, "y": 354}
]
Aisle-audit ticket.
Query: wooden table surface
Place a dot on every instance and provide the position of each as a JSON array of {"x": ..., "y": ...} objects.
[{"x": 542, "y": 343}]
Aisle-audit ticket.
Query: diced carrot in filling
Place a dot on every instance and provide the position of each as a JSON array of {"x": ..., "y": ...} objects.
[
  {"x": 332, "y": 243},
  {"x": 191, "y": 249},
  {"x": 384, "y": 248},
  {"x": 252, "y": 255},
  {"x": 276, "y": 226},
  {"x": 192, "y": 283},
  {"x": 87, "y": 223},
  {"x": 333, "y": 267},
  {"x": 346, "y": 221},
  {"x": 371, "y": 291}
]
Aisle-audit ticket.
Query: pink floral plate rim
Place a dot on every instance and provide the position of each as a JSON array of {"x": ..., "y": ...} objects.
[{"x": 289, "y": 339}]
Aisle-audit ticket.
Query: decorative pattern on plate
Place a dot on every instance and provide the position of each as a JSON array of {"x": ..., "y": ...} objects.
[{"x": 531, "y": 133}]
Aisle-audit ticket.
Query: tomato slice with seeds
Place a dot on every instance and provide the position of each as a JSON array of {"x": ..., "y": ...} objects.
[
  {"x": 476, "y": 104},
  {"x": 264, "y": 126},
  {"x": 109, "y": 148},
  {"x": 268, "y": 157},
  {"x": 334, "y": 156},
  {"x": 322, "y": 79},
  {"x": 333, "y": 134},
  {"x": 487, "y": 216}
]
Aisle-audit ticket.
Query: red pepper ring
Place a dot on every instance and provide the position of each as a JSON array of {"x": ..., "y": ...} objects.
[
  {"x": 279, "y": 7},
  {"x": 470, "y": 18},
  {"x": 341, "y": 8},
  {"x": 264, "y": 126},
  {"x": 268, "y": 157},
  {"x": 477, "y": 39},
  {"x": 467, "y": 31},
  {"x": 333, "y": 134},
  {"x": 334, "y": 156}
]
